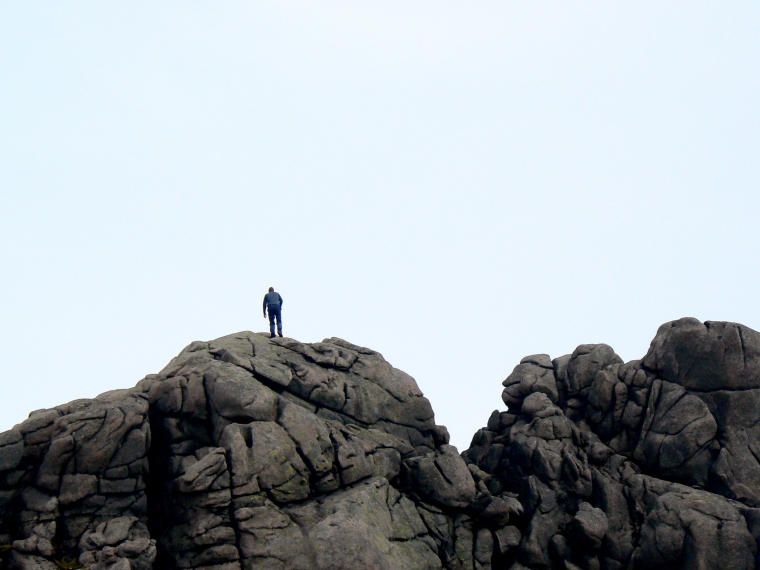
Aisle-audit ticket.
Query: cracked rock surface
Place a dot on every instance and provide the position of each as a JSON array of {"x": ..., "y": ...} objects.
[
  {"x": 646, "y": 464},
  {"x": 244, "y": 453},
  {"x": 251, "y": 453}
]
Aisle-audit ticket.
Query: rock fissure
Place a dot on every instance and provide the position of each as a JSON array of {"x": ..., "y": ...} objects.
[
  {"x": 736, "y": 390},
  {"x": 743, "y": 349}
]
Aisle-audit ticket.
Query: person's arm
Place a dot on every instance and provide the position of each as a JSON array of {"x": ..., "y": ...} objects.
[
  {"x": 280, "y": 296},
  {"x": 265, "y": 306}
]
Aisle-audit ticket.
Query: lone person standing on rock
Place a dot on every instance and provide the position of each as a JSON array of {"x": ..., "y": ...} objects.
[{"x": 273, "y": 303}]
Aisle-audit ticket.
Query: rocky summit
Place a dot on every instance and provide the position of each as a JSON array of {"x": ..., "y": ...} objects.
[{"x": 250, "y": 453}]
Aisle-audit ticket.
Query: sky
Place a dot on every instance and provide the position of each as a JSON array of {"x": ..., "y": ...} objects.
[{"x": 453, "y": 184}]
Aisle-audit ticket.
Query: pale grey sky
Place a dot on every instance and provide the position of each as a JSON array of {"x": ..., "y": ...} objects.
[{"x": 454, "y": 184}]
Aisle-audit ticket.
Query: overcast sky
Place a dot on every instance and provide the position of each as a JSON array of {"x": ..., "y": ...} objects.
[{"x": 454, "y": 184}]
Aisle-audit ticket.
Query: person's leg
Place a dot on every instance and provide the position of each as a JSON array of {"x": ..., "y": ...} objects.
[
  {"x": 279, "y": 321},
  {"x": 272, "y": 314}
]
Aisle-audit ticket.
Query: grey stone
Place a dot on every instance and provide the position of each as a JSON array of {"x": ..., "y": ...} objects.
[
  {"x": 360, "y": 528},
  {"x": 237, "y": 396},
  {"x": 75, "y": 487},
  {"x": 310, "y": 434},
  {"x": 678, "y": 426},
  {"x": 275, "y": 372},
  {"x": 22, "y": 561},
  {"x": 589, "y": 526},
  {"x": 706, "y": 357},
  {"x": 442, "y": 477},
  {"x": 533, "y": 374},
  {"x": 696, "y": 527},
  {"x": 584, "y": 363},
  {"x": 688, "y": 412},
  {"x": 254, "y": 453},
  {"x": 201, "y": 474},
  {"x": 271, "y": 456},
  {"x": 38, "y": 427},
  {"x": 506, "y": 539},
  {"x": 11, "y": 449}
]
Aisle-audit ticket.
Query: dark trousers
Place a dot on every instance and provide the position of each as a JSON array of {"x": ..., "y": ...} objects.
[{"x": 275, "y": 312}]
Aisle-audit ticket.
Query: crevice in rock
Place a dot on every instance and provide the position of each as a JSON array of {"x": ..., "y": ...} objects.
[{"x": 744, "y": 348}]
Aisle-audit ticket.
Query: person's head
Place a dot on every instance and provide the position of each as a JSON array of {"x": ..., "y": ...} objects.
[{"x": 271, "y": 289}]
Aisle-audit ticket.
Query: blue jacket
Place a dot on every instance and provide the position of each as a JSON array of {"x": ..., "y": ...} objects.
[{"x": 272, "y": 298}]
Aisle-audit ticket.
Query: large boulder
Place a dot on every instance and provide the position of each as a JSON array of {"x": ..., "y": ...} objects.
[
  {"x": 245, "y": 452},
  {"x": 689, "y": 528},
  {"x": 706, "y": 356}
]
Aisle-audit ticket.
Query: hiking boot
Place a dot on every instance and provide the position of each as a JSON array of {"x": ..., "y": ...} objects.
[{"x": 279, "y": 333}]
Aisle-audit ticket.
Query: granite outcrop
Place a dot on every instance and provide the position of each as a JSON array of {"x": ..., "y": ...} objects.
[
  {"x": 251, "y": 453},
  {"x": 652, "y": 463}
]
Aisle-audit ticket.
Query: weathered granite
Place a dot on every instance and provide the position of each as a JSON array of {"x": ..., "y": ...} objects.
[
  {"x": 244, "y": 452},
  {"x": 645, "y": 464},
  {"x": 251, "y": 453}
]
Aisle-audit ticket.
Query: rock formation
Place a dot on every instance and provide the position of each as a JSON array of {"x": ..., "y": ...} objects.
[
  {"x": 254, "y": 453},
  {"x": 645, "y": 464}
]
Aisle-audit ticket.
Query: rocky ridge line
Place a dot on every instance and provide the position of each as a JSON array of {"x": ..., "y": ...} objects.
[
  {"x": 244, "y": 452},
  {"x": 255, "y": 453}
]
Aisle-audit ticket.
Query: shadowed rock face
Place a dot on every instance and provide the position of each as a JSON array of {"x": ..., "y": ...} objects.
[
  {"x": 255, "y": 453},
  {"x": 645, "y": 464}
]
